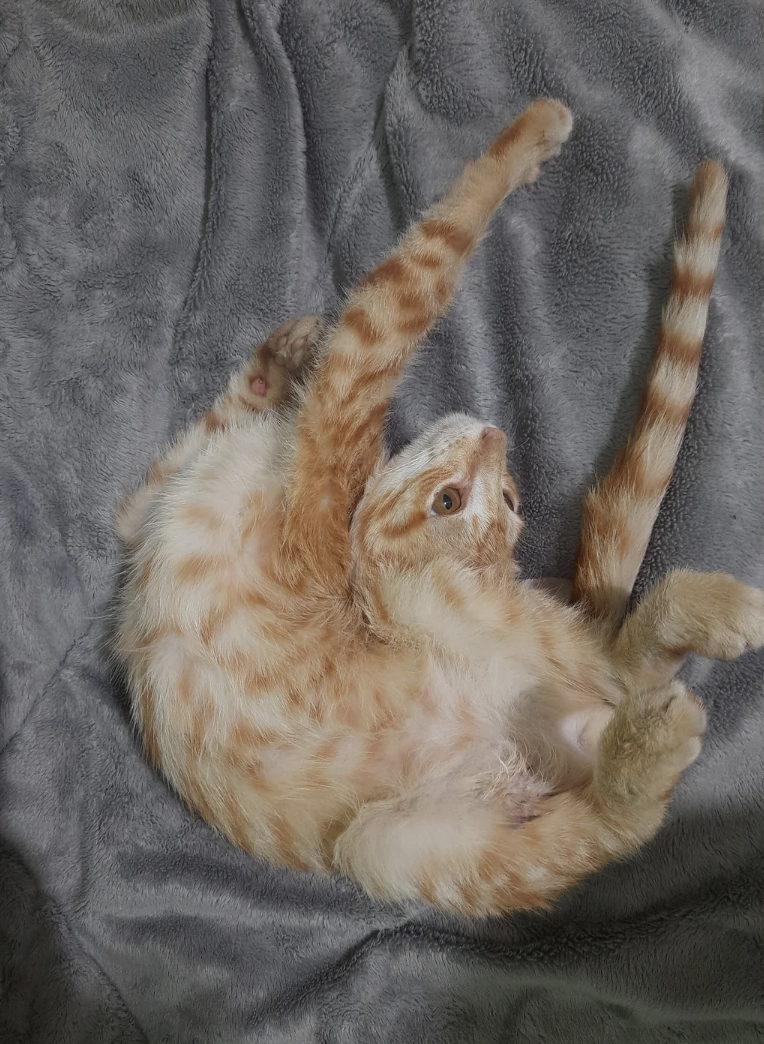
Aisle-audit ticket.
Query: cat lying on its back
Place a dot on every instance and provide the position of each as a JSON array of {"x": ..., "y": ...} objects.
[{"x": 330, "y": 654}]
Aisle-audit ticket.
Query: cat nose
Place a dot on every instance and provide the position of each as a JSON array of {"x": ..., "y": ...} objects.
[{"x": 493, "y": 438}]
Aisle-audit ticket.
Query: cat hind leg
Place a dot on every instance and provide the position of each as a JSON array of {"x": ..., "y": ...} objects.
[
  {"x": 709, "y": 614},
  {"x": 467, "y": 855}
]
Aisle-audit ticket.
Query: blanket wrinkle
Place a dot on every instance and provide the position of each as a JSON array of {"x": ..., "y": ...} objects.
[{"x": 60, "y": 964}]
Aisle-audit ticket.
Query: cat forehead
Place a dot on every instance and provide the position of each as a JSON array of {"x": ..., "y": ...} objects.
[{"x": 437, "y": 445}]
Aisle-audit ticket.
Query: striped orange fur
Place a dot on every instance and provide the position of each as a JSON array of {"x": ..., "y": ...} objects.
[
  {"x": 330, "y": 654},
  {"x": 619, "y": 515}
]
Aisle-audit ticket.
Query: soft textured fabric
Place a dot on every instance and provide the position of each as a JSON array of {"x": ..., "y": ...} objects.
[{"x": 177, "y": 178}]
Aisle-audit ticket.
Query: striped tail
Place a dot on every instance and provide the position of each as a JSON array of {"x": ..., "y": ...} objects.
[{"x": 619, "y": 514}]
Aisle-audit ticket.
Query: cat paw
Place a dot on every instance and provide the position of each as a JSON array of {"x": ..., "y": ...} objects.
[
  {"x": 551, "y": 123},
  {"x": 651, "y": 740},
  {"x": 283, "y": 356},
  {"x": 731, "y": 620},
  {"x": 533, "y": 138},
  {"x": 292, "y": 345},
  {"x": 746, "y": 623}
]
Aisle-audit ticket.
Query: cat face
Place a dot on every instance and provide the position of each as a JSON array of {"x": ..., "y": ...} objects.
[{"x": 446, "y": 495}]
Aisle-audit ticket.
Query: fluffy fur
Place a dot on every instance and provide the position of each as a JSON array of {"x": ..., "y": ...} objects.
[{"x": 330, "y": 654}]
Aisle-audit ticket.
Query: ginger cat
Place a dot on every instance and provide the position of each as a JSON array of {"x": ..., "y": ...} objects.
[{"x": 330, "y": 653}]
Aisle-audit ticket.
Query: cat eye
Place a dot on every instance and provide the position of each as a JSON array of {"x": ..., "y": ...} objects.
[{"x": 447, "y": 502}]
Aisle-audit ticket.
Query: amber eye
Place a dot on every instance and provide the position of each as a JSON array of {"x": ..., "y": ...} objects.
[{"x": 447, "y": 502}]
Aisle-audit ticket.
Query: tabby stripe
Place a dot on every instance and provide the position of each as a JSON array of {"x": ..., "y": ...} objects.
[{"x": 459, "y": 240}]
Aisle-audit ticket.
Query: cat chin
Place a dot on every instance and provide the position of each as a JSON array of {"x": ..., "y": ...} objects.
[{"x": 560, "y": 589}]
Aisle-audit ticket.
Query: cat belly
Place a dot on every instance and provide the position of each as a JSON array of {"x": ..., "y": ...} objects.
[
  {"x": 210, "y": 535},
  {"x": 262, "y": 716},
  {"x": 281, "y": 769}
]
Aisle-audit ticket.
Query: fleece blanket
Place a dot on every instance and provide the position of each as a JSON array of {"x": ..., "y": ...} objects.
[{"x": 178, "y": 178}]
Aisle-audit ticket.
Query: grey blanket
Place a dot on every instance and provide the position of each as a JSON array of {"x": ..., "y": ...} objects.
[{"x": 177, "y": 179}]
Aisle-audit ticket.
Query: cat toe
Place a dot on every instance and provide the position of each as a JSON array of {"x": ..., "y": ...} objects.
[
  {"x": 686, "y": 723},
  {"x": 739, "y": 627},
  {"x": 297, "y": 341},
  {"x": 755, "y": 623},
  {"x": 554, "y": 122}
]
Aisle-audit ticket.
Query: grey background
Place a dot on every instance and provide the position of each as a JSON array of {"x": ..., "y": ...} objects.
[{"x": 178, "y": 178}]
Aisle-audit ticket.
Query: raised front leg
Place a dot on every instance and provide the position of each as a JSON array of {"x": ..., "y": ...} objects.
[
  {"x": 339, "y": 435},
  {"x": 710, "y": 614},
  {"x": 267, "y": 381}
]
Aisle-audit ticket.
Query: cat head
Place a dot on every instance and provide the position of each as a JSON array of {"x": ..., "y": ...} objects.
[{"x": 447, "y": 497}]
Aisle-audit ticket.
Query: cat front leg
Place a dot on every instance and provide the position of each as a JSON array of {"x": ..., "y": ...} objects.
[
  {"x": 339, "y": 438},
  {"x": 267, "y": 381}
]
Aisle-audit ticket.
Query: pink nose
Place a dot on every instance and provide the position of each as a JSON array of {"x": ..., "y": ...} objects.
[{"x": 493, "y": 438}]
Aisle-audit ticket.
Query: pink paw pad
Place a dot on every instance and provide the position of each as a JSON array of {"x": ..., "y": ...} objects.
[{"x": 258, "y": 386}]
